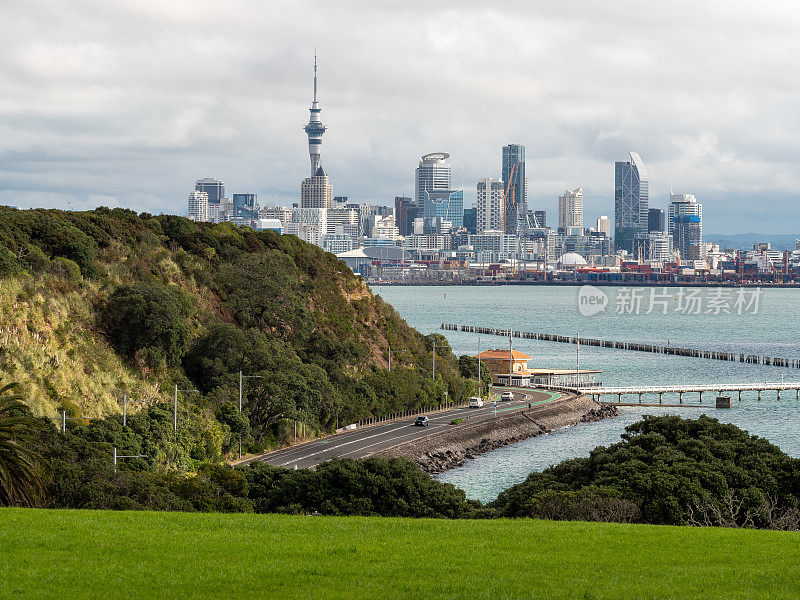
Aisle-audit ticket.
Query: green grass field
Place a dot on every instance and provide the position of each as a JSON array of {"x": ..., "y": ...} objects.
[{"x": 97, "y": 554}]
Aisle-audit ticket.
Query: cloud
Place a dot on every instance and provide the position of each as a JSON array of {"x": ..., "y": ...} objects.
[{"x": 129, "y": 102}]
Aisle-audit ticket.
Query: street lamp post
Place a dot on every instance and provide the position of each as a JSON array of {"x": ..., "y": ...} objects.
[
  {"x": 125, "y": 408},
  {"x": 116, "y": 456}
]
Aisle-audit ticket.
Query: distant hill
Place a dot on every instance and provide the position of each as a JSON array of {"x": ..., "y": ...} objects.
[{"x": 745, "y": 241}]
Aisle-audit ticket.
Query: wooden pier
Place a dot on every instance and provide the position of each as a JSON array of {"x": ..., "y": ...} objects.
[
  {"x": 791, "y": 363},
  {"x": 597, "y": 393}
]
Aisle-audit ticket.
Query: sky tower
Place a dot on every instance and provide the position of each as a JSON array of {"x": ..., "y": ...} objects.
[{"x": 315, "y": 128}]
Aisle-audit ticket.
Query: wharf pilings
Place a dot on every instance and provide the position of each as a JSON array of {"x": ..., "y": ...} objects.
[{"x": 755, "y": 359}]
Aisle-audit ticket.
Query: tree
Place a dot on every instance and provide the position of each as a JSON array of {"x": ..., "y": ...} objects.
[
  {"x": 23, "y": 473},
  {"x": 151, "y": 318}
]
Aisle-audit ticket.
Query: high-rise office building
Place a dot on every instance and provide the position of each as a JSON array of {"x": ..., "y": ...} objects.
[
  {"x": 516, "y": 186},
  {"x": 198, "y": 206},
  {"x": 685, "y": 222},
  {"x": 539, "y": 218},
  {"x": 405, "y": 211},
  {"x": 244, "y": 206},
  {"x": 570, "y": 208},
  {"x": 603, "y": 225},
  {"x": 213, "y": 187},
  {"x": 432, "y": 174},
  {"x": 655, "y": 220},
  {"x": 315, "y": 191},
  {"x": 471, "y": 220},
  {"x": 444, "y": 205},
  {"x": 631, "y": 201},
  {"x": 490, "y": 205}
]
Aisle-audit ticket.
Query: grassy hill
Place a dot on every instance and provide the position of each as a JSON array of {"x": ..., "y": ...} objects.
[
  {"x": 97, "y": 304},
  {"x": 100, "y": 554}
]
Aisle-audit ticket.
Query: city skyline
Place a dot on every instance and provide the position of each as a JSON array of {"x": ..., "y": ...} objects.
[{"x": 122, "y": 118}]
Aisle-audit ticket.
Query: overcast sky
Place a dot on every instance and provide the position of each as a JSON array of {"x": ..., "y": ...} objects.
[{"x": 126, "y": 103}]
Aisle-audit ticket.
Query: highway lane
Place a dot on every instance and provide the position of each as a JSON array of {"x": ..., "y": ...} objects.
[{"x": 364, "y": 442}]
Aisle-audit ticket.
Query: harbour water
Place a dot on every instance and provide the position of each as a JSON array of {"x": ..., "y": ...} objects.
[{"x": 774, "y": 330}]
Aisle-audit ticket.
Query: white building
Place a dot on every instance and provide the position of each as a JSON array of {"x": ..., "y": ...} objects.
[
  {"x": 343, "y": 216},
  {"x": 570, "y": 208},
  {"x": 337, "y": 243},
  {"x": 316, "y": 191},
  {"x": 384, "y": 227},
  {"x": 490, "y": 205},
  {"x": 198, "y": 206},
  {"x": 603, "y": 225}
]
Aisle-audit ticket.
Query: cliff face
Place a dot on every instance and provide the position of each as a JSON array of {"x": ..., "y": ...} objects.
[{"x": 94, "y": 305}]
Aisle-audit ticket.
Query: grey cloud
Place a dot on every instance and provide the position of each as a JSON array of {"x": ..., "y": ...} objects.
[{"x": 129, "y": 102}]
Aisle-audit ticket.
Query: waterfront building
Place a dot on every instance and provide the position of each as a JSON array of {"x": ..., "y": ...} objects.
[
  {"x": 490, "y": 205},
  {"x": 655, "y": 220},
  {"x": 516, "y": 186},
  {"x": 570, "y": 208},
  {"x": 498, "y": 361},
  {"x": 603, "y": 225},
  {"x": 494, "y": 246},
  {"x": 631, "y": 201},
  {"x": 198, "y": 206},
  {"x": 685, "y": 221},
  {"x": 215, "y": 189}
]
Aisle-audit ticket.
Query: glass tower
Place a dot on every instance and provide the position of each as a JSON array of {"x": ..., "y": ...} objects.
[
  {"x": 516, "y": 186},
  {"x": 631, "y": 202}
]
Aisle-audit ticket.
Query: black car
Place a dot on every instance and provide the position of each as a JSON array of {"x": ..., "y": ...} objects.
[{"x": 422, "y": 421}]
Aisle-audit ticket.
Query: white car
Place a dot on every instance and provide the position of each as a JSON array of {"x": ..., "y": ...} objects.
[
  {"x": 506, "y": 396},
  {"x": 475, "y": 402}
]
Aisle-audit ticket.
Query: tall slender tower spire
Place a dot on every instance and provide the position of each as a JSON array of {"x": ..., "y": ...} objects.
[{"x": 315, "y": 128}]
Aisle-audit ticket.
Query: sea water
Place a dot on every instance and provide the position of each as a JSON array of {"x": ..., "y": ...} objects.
[{"x": 771, "y": 328}]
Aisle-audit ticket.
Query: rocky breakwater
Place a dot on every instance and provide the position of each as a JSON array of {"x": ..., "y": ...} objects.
[{"x": 454, "y": 444}]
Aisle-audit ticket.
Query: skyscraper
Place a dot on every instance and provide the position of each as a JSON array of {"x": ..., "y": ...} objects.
[
  {"x": 433, "y": 173},
  {"x": 686, "y": 225},
  {"x": 491, "y": 209},
  {"x": 631, "y": 197},
  {"x": 198, "y": 206},
  {"x": 603, "y": 225},
  {"x": 447, "y": 205},
  {"x": 316, "y": 191},
  {"x": 570, "y": 208},
  {"x": 405, "y": 211},
  {"x": 213, "y": 187},
  {"x": 655, "y": 220},
  {"x": 516, "y": 186},
  {"x": 244, "y": 206}
]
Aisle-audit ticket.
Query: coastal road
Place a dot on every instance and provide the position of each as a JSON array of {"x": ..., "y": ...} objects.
[{"x": 364, "y": 442}]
